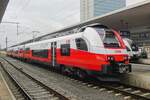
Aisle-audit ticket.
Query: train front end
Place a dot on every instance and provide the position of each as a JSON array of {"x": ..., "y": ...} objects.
[
  {"x": 117, "y": 58},
  {"x": 110, "y": 51}
]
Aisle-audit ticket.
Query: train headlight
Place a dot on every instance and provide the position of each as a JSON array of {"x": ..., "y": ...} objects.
[
  {"x": 126, "y": 58},
  {"x": 110, "y": 58}
]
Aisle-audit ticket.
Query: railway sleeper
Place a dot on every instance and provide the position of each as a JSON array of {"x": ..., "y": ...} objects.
[
  {"x": 34, "y": 91},
  {"x": 45, "y": 97},
  {"x": 40, "y": 93},
  {"x": 146, "y": 94},
  {"x": 136, "y": 92}
]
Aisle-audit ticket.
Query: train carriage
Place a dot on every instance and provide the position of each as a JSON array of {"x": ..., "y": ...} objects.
[
  {"x": 132, "y": 49},
  {"x": 21, "y": 51},
  {"x": 94, "y": 50},
  {"x": 15, "y": 51}
]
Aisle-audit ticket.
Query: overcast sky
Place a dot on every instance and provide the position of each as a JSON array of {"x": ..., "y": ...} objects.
[{"x": 39, "y": 15}]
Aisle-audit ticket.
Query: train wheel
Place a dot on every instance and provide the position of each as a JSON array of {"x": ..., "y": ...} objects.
[
  {"x": 64, "y": 70},
  {"x": 81, "y": 74}
]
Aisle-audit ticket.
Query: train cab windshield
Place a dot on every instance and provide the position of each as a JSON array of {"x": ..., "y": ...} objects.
[{"x": 108, "y": 37}]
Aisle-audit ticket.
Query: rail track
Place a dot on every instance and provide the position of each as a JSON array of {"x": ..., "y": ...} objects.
[
  {"x": 30, "y": 88},
  {"x": 18, "y": 94},
  {"x": 129, "y": 92}
]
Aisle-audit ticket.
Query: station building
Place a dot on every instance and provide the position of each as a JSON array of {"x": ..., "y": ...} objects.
[
  {"x": 93, "y": 8},
  {"x": 3, "y": 5}
]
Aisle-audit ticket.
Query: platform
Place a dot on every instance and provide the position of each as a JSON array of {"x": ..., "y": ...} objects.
[
  {"x": 5, "y": 93},
  {"x": 144, "y": 61},
  {"x": 139, "y": 77}
]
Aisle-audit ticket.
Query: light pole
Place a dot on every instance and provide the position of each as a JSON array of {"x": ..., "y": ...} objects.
[
  {"x": 6, "y": 43},
  {"x": 17, "y": 23},
  {"x": 34, "y": 33},
  {"x": 0, "y": 47}
]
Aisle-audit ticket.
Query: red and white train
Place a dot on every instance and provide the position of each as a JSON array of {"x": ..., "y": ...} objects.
[{"x": 95, "y": 50}]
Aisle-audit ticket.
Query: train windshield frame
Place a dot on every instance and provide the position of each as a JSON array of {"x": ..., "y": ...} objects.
[
  {"x": 133, "y": 45},
  {"x": 108, "y": 38}
]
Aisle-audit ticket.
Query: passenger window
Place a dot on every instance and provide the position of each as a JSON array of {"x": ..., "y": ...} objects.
[
  {"x": 65, "y": 50},
  {"x": 27, "y": 50},
  {"x": 40, "y": 53},
  {"x": 81, "y": 44}
]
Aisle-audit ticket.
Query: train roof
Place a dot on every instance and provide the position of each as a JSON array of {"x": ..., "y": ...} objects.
[
  {"x": 76, "y": 35},
  {"x": 65, "y": 31}
]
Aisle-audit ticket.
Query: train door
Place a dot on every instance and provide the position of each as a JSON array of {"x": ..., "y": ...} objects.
[{"x": 53, "y": 53}]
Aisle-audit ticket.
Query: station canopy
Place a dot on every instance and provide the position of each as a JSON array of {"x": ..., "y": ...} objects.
[
  {"x": 3, "y": 5},
  {"x": 131, "y": 17}
]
